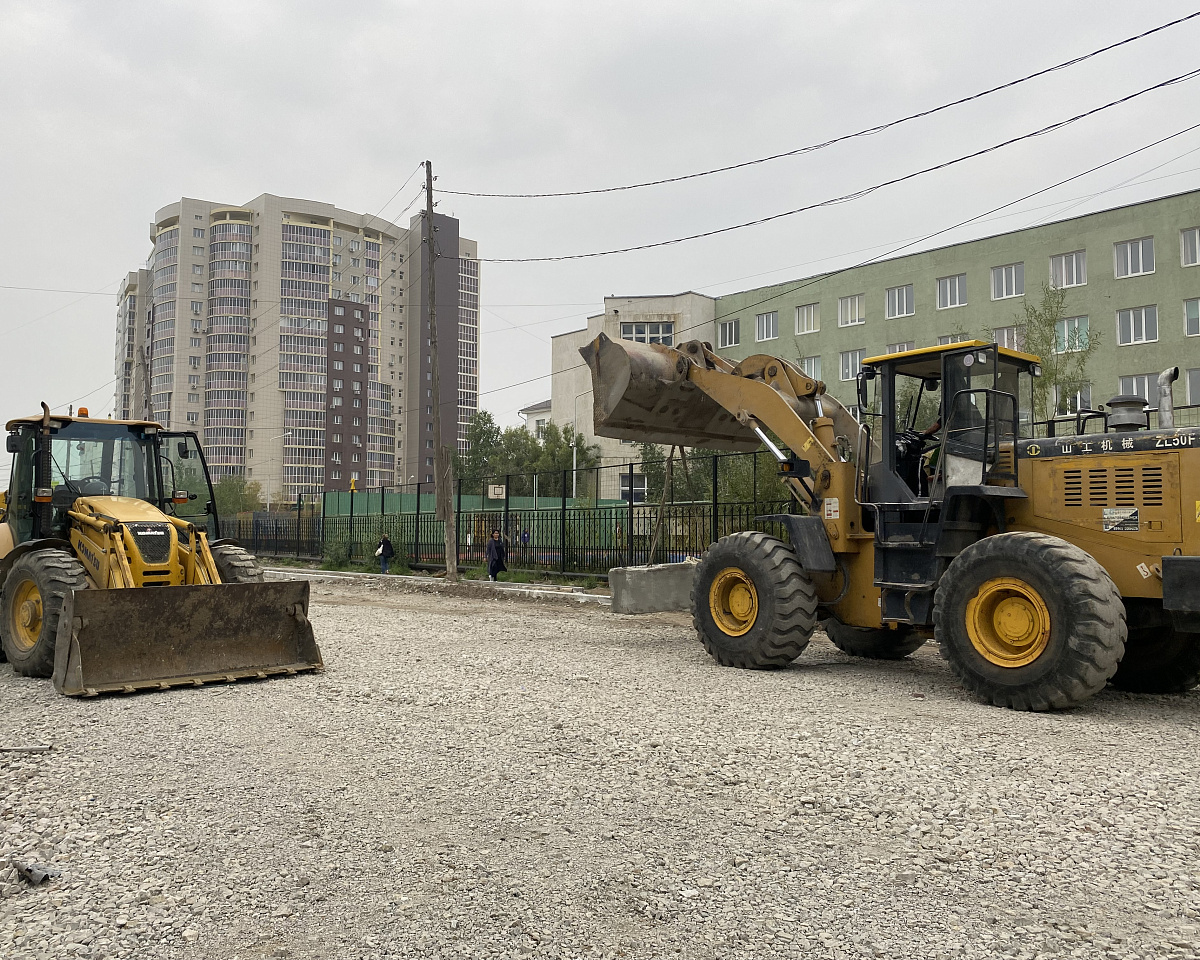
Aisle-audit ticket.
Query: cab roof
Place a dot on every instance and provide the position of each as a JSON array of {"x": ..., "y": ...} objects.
[
  {"x": 927, "y": 361},
  {"x": 62, "y": 421}
]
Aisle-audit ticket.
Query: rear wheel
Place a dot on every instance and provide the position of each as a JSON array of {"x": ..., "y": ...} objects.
[
  {"x": 1158, "y": 658},
  {"x": 752, "y": 603},
  {"x": 236, "y": 565},
  {"x": 34, "y": 592},
  {"x": 873, "y": 643},
  {"x": 1029, "y": 621}
]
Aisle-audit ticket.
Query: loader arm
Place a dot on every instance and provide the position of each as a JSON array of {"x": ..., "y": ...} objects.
[{"x": 690, "y": 396}]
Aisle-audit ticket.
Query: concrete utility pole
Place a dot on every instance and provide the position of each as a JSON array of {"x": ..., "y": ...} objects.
[{"x": 443, "y": 463}]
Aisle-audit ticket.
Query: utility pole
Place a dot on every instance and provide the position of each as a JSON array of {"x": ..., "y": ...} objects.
[{"x": 443, "y": 463}]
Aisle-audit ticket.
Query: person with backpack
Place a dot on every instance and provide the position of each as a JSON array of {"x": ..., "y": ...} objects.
[{"x": 385, "y": 551}]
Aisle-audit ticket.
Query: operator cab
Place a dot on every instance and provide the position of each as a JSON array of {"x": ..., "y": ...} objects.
[{"x": 945, "y": 417}]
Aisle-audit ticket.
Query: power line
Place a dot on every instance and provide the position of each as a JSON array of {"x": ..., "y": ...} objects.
[
  {"x": 828, "y": 143},
  {"x": 858, "y": 194},
  {"x": 892, "y": 251}
]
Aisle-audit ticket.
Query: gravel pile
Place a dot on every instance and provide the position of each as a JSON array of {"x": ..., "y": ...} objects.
[{"x": 499, "y": 778}]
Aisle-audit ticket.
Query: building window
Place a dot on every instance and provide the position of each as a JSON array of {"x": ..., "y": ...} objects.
[
  {"x": 1193, "y": 386},
  {"x": 902, "y": 347},
  {"x": 1138, "y": 384},
  {"x": 1189, "y": 246},
  {"x": 197, "y": 251},
  {"x": 729, "y": 333},
  {"x": 639, "y": 487},
  {"x": 663, "y": 333},
  {"x": 952, "y": 292},
  {"x": 197, "y": 268},
  {"x": 1134, "y": 257},
  {"x": 811, "y": 367},
  {"x": 194, "y": 362},
  {"x": 851, "y": 362},
  {"x": 1071, "y": 335},
  {"x": 1191, "y": 318},
  {"x": 1137, "y": 325},
  {"x": 337, "y": 384},
  {"x": 808, "y": 318},
  {"x": 339, "y": 347},
  {"x": 950, "y": 338},
  {"x": 193, "y": 417},
  {"x": 198, "y": 233},
  {"x": 197, "y": 288},
  {"x": 900, "y": 302},
  {"x": 1070, "y": 398},
  {"x": 1009, "y": 337},
  {"x": 197, "y": 307},
  {"x": 851, "y": 310},
  {"x": 197, "y": 342},
  {"x": 1008, "y": 281},
  {"x": 1068, "y": 269},
  {"x": 766, "y": 326},
  {"x": 338, "y": 365}
]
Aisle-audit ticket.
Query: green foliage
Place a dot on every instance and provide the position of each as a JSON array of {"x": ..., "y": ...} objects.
[
  {"x": 234, "y": 495},
  {"x": 496, "y": 453},
  {"x": 741, "y": 479},
  {"x": 1064, "y": 352}
]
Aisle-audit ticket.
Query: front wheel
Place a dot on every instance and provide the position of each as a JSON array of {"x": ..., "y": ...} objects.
[
  {"x": 236, "y": 565},
  {"x": 1029, "y": 621},
  {"x": 752, "y": 603},
  {"x": 34, "y": 593}
]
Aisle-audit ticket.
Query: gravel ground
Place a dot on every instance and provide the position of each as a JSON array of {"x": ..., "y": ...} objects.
[{"x": 486, "y": 778}]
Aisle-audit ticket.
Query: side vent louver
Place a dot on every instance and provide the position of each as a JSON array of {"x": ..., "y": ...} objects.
[{"x": 1073, "y": 488}]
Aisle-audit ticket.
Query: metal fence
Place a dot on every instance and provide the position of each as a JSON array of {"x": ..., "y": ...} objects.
[{"x": 568, "y": 522}]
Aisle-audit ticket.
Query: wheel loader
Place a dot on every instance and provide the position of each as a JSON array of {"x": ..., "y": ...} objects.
[
  {"x": 1044, "y": 567},
  {"x": 108, "y": 578}
]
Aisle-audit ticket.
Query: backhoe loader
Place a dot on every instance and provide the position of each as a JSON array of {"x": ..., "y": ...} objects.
[
  {"x": 1044, "y": 567},
  {"x": 108, "y": 578}
]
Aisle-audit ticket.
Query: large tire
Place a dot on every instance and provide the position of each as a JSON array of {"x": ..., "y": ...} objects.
[
  {"x": 1158, "y": 658},
  {"x": 873, "y": 643},
  {"x": 1029, "y": 621},
  {"x": 236, "y": 565},
  {"x": 34, "y": 592},
  {"x": 752, "y": 603}
]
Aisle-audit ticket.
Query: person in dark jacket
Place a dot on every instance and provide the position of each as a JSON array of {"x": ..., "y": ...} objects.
[
  {"x": 495, "y": 555},
  {"x": 385, "y": 551}
]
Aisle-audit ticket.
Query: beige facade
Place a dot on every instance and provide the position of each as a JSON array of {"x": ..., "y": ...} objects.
[
  {"x": 234, "y": 317},
  {"x": 133, "y": 320},
  {"x": 659, "y": 319}
]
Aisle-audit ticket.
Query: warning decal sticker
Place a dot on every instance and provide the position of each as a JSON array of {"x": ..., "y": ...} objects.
[{"x": 1121, "y": 518}]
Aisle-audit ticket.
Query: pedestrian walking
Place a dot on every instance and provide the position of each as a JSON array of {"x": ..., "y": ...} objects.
[
  {"x": 495, "y": 554},
  {"x": 385, "y": 551}
]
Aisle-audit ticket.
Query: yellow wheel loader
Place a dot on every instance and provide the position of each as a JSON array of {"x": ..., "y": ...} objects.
[
  {"x": 108, "y": 579},
  {"x": 1044, "y": 567}
]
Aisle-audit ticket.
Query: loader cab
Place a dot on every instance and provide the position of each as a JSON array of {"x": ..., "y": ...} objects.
[
  {"x": 946, "y": 417},
  {"x": 101, "y": 458}
]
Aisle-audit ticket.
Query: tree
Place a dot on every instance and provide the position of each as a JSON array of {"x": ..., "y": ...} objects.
[
  {"x": 1064, "y": 344},
  {"x": 483, "y": 443},
  {"x": 514, "y": 451},
  {"x": 234, "y": 495}
]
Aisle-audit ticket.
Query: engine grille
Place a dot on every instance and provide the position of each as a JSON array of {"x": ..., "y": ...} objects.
[
  {"x": 1108, "y": 486},
  {"x": 153, "y": 540}
]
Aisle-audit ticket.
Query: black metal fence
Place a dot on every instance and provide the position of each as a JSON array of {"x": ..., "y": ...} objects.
[{"x": 567, "y": 522}]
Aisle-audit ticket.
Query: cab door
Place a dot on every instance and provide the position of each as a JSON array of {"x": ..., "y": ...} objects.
[
  {"x": 184, "y": 472},
  {"x": 18, "y": 507}
]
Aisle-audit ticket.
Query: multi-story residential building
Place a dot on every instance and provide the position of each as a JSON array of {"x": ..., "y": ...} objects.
[
  {"x": 133, "y": 319},
  {"x": 1131, "y": 275},
  {"x": 239, "y": 300}
]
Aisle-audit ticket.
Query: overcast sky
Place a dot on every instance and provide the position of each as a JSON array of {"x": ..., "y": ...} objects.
[{"x": 114, "y": 109}]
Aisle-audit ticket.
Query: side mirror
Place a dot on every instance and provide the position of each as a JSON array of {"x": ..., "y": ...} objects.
[
  {"x": 863, "y": 376},
  {"x": 183, "y": 449},
  {"x": 932, "y": 384},
  {"x": 13, "y": 443}
]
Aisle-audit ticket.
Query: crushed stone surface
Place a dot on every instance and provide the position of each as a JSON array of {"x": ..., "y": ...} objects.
[{"x": 499, "y": 778}]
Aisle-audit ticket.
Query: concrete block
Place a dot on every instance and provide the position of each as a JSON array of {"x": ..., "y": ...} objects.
[{"x": 652, "y": 589}]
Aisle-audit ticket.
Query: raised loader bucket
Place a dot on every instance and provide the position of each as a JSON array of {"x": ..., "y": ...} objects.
[
  {"x": 159, "y": 637},
  {"x": 642, "y": 393}
]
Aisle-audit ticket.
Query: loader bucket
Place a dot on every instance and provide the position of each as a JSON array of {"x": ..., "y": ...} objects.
[
  {"x": 642, "y": 393},
  {"x": 154, "y": 638}
]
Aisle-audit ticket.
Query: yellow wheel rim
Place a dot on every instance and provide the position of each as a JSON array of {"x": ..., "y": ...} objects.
[
  {"x": 26, "y": 615},
  {"x": 733, "y": 601},
  {"x": 1008, "y": 622}
]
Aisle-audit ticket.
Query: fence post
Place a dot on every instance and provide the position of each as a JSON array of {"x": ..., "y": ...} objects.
[
  {"x": 299, "y": 514},
  {"x": 562, "y": 527},
  {"x": 324, "y": 501},
  {"x": 458, "y": 523},
  {"x": 629, "y": 539},
  {"x": 417, "y": 528},
  {"x": 504, "y": 523},
  {"x": 716, "y": 529},
  {"x": 350, "y": 544},
  {"x": 754, "y": 481}
]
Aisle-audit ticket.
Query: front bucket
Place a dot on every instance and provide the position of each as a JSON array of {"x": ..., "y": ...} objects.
[
  {"x": 159, "y": 637},
  {"x": 642, "y": 393}
]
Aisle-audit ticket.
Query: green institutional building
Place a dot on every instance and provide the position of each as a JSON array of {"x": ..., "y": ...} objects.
[{"x": 1130, "y": 273}]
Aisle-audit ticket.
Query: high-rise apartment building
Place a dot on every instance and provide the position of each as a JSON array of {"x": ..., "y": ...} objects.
[{"x": 230, "y": 323}]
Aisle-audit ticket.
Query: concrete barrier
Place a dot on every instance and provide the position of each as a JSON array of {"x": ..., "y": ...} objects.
[{"x": 653, "y": 589}]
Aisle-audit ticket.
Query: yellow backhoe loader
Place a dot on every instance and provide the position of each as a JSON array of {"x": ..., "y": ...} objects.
[
  {"x": 108, "y": 579},
  {"x": 1045, "y": 567}
]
